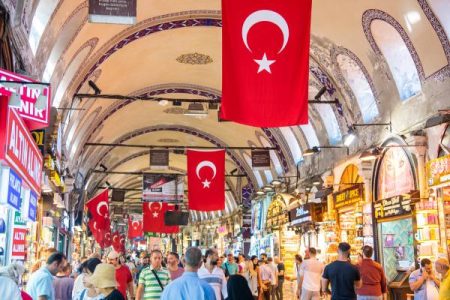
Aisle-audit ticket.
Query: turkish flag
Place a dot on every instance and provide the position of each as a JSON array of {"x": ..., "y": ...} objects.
[
  {"x": 118, "y": 242},
  {"x": 154, "y": 217},
  {"x": 206, "y": 180},
  {"x": 99, "y": 209},
  {"x": 101, "y": 232},
  {"x": 265, "y": 62},
  {"x": 135, "y": 229}
]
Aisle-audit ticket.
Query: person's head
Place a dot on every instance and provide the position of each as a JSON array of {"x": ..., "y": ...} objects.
[
  {"x": 66, "y": 270},
  {"x": 156, "y": 259},
  {"x": 88, "y": 268},
  {"x": 13, "y": 271},
  {"x": 143, "y": 258},
  {"x": 307, "y": 253},
  {"x": 173, "y": 259},
  {"x": 298, "y": 258},
  {"x": 264, "y": 256},
  {"x": 113, "y": 258},
  {"x": 241, "y": 257},
  {"x": 103, "y": 278},
  {"x": 426, "y": 265},
  {"x": 262, "y": 262},
  {"x": 193, "y": 259},
  {"x": 220, "y": 260},
  {"x": 367, "y": 251},
  {"x": 56, "y": 262},
  {"x": 442, "y": 266},
  {"x": 312, "y": 252},
  {"x": 238, "y": 288},
  {"x": 254, "y": 259},
  {"x": 276, "y": 259},
  {"x": 211, "y": 257},
  {"x": 269, "y": 260},
  {"x": 230, "y": 257},
  {"x": 344, "y": 250}
]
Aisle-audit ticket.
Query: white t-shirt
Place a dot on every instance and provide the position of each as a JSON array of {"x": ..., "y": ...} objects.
[
  {"x": 274, "y": 269},
  {"x": 78, "y": 285},
  {"x": 311, "y": 270},
  {"x": 432, "y": 291},
  {"x": 216, "y": 279}
]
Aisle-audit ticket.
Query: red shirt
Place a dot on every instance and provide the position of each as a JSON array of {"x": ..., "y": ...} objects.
[
  {"x": 373, "y": 278},
  {"x": 123, "y": 277},
  {"x": 25, "y": 296}
]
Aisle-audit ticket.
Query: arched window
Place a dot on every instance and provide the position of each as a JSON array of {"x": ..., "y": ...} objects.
[
  {"x": 398, "y": 57},
  {"x": 441, "y": 9},
  {"x": 356, "y": 78},
  {"x": 330, "y": 122},
  {"x": 292, "y": 142},
  {"x": 40, "y": 20},
  {"x": 310, "y": 134}
]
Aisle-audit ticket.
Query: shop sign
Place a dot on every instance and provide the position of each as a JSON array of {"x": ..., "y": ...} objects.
[
  {"x": 19, "y": 242},
  {"x": 55, "y": 178},
  {"x": 260, "y": 159},
  {"x": 33, "y": 117},
  {"x": 49, "y": 163},
  {"x": 438, "y": 170},
  {"x": 20, "y": 151},
  {"x": 162, "y": 187},
  {"x": 348, "y": 197},
  {"x": 392, "y": 207},
  {"x": 32, "y": 208},
  {"x": 301, "y": 215},
  {"x": 39, "y": 138},
  {"x": 12, "y": 188},
  {"x": 112, "y": 11},
  {"x": 159, "y": 159},
  {"x": 18, "y": 220}
]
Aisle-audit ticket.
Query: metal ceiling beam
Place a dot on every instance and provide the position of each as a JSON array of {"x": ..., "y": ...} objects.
[
  {"x": 175, "y": 147},
  {"x": 187, "y": 100},
  {"x": 135, "y": 190},
  {"x": 141, "y": 173}
]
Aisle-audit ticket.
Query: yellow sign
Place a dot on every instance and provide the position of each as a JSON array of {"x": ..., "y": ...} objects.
[
  {"x": 54, "y": 176},
  {"x": 438, "y": 170},
  {"x": 49, "y": 163},
  {"x": 348, "y": 197}
]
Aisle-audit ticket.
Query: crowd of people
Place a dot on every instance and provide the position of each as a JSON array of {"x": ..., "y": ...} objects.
[{"x": 209, "y": 276}]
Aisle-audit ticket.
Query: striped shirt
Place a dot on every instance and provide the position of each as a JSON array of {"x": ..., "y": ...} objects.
[
  {"x": 216, "y": 279},
  {"x": 152, "y": 289}
]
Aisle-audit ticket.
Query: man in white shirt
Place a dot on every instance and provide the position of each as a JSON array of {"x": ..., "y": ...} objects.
[
  {"x": 266, "y": 278},
  {"x": 310, "y": 277},
  {"x": 214, "y": 275},
  {"x": 274, "y": 281}
]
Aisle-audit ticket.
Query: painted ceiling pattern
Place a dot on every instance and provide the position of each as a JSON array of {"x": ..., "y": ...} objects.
[{"x": 174, "y": 50}]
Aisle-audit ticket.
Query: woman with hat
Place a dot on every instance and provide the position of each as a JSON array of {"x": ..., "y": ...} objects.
[
  {"x": 104, "y": 280},
  {"x": 89, "y": 293}
]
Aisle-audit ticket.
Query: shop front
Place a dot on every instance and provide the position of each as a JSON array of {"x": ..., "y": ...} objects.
[
  {"x": 275, "y": 227},
  {"x": 438, "y": 178},
  {"x": 395, "y": 191}
]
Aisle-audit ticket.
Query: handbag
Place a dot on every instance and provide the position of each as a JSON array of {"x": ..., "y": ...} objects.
[{"x": 157, "y": 278}]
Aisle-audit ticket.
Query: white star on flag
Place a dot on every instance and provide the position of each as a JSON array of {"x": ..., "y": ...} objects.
[
  {"x": 264, "y": 64},
  {"x": 155, "y": 214},
  {"x": 206, "y": 183}
]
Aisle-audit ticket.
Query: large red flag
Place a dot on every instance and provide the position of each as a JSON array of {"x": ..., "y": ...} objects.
[
  {"x": 206, "y": 180},
  {"x": 265, "y": 62},
  {"x": 101, "y": 232},
  {"x": 99, "y": 209},
  {"x": 118, "y": 242},
  {"x": 154, "y": 217},
  {"x": 135, "y": 229}
]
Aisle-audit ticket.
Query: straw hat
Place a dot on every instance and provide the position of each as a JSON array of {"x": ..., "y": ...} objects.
[{"x": 104, "y": 276}]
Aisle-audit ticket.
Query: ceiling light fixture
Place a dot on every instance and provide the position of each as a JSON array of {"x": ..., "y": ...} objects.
[
  {"x": 276, "y": 182},
  {"x": 311, "y": 151},
  {"x": 350, "y": 137},
  {"x": 268, "y": 188},
  {"x": 370, "y": 154},
  {"x": 260, "y": 192}
]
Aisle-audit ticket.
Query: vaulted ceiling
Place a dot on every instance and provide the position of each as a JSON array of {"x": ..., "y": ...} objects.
[{"x": 383, "y": 60}]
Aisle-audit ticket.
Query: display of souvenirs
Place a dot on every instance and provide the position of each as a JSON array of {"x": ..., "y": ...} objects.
[{"x": 427, "y": 234}]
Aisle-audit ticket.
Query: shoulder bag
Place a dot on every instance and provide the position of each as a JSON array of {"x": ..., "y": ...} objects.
[{"x": 157, "y": 278}]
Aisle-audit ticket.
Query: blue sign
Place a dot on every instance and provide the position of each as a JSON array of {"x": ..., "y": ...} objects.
[
  {"x": 14, "y": 187},
  {"x": 32, "y": 207}
]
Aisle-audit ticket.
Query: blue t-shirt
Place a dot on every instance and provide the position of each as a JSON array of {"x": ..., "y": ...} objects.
[
  {"x": 188, "y": 287},
  {"x": 41, "y": 284},
  {"x": 232, "y": 268}
]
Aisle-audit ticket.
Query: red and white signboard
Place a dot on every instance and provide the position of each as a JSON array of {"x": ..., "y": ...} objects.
[
  {"x": 18, "y": 148},
  {"x": 18, "y": 245},
  {"x": 33, "y": 117}
]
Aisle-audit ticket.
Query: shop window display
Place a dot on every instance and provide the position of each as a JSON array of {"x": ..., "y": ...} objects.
[{"x": 397, "y": 244}]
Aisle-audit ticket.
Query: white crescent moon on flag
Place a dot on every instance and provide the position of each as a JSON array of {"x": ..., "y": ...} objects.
[
  {"x": 103, "y": 203},
  {"x": 95, "y": 225},
  {"x": 108, "y": 236},
  {"x": 135, "y": 222},
  {"x": 203, "y": 164},
  {"x": 114, "y": 238},
  {"x": 265, "y": 16},
  {"x": 122, "y": 241},
  {"x": 150, "y": 206}
]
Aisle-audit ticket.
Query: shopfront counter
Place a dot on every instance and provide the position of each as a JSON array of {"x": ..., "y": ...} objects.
[{"x": 399, "y": 286}]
